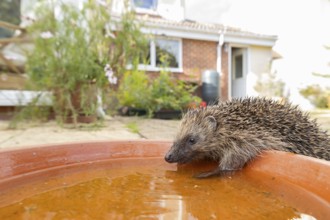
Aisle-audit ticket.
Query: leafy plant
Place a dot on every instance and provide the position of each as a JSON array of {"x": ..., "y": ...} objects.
[
  {"x": 133, "y": 127},
  {"x": 171, "y": 94},
  {"x": 127, "y": 45},
  {"x": 69, "y": 56},
  {"x": 66, "y": 44},
  {"x": 163, "y": 93},
  {"x": 78, "y": 51},
  {"x": 134, "y": 90},
  {"x": 316, "y": 95},
  {"x": 268, "y": 85}
]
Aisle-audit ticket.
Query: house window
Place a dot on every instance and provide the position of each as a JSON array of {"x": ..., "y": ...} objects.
[
  {"x": 163, "y": 53},
  {"x": 145, "y": 4},
  {"x": 167, "y": 53}
]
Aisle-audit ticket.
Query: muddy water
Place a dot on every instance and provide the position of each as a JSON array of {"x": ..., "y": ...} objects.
[{"x": 139, "y": 189}]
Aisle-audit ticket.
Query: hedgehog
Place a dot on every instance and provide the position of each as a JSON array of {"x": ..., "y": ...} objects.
[{"x": 234, "y": 132}]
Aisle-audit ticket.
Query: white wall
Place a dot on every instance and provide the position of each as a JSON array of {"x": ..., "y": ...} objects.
[
  {"x": 302, "y": 28},
  {"x": 23, "y": 98},
  {"x": 259, "y": 60}
]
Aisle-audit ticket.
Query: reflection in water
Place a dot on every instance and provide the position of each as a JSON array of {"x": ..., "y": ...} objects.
[
  {"x": 304, "y": 217},
  {"x": 145, "y": 189},
  {"x": 173, "y": 203}
]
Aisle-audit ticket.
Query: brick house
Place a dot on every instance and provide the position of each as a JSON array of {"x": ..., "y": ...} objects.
[{"x": 239, "y": 56}]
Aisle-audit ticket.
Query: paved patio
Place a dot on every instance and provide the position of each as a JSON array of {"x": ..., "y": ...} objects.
[{"x": 117, "y": 128}]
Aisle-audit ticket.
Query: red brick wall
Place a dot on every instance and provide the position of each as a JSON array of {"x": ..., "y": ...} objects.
[{"x": 198, "y": 56}]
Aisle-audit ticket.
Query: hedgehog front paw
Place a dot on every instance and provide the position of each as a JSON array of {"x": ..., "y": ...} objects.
[
  {"x": 216, "y": 172},
  {"x": 204, "y": 175}
]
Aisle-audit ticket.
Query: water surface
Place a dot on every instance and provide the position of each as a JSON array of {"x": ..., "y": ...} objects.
[{"x": 140, "y": 189}]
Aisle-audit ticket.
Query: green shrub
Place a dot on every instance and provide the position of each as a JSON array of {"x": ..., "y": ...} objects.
[
  {"x": 162, "y": 93},
  {"x": 316, "y": 95},
  {"x": 171, "y": 94},
  {"x": 79, "y": 53},
  {"x": 134, "y": 90},
  {"x": 66, "y": 59}
]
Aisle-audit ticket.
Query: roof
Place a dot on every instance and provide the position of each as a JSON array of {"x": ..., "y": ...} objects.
[{"x": 203, "y": 31}]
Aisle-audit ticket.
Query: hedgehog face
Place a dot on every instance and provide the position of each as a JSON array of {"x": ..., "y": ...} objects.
[
  {"x": 191, "y": 140},
  {"x": 184, "y": 150}
]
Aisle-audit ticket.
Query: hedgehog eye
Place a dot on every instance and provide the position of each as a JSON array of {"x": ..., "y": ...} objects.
[{"x": 192, "y": 141}]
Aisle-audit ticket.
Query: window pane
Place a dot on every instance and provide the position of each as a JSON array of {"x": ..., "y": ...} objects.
[
  {"x": 167, "y": 53},
  {"x": 238, "y": 66},
  {"x": 9, "y": 12},
  {"x": 144, "y": 56},
  {"x": 148, "y": 4}
]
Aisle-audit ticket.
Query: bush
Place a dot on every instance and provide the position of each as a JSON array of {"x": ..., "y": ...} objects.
[
  {"x": 79, "y": 54},
  {"x": 162, "y": 93},
  {"x": 316, "y": 95},
  {"x": 170, "y": 94},
  {"x": 134, "y": 90},
  {"x": 268, "y": 85},
  {"x": 66, "y": 59}
]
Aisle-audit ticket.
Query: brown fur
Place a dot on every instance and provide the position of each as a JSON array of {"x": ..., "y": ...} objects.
[{"x": 234, "y": 132}]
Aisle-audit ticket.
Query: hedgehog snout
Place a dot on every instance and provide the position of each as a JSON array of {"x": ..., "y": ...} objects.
[{"x": 169, "y": 157}]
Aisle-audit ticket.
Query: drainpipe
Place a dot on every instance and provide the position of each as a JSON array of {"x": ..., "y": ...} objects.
[
  {"x": 219, "y": 52},
  {"x": 219, "y": 57}
]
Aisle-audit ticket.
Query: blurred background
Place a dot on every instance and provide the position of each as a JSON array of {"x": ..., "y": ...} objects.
[
  {"x": 148, "y": 57},
  {"x": 302, "y": 30}
]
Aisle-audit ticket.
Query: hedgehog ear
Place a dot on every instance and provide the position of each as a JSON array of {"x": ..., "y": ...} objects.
[{"x": 211, "y": 123}]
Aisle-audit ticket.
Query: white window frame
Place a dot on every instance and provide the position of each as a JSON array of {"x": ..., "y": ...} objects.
[{"x": 153, "y": 67}]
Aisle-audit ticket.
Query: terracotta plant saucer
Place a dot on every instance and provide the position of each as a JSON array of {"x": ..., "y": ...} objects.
[{"x": 286, "y": 173}]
